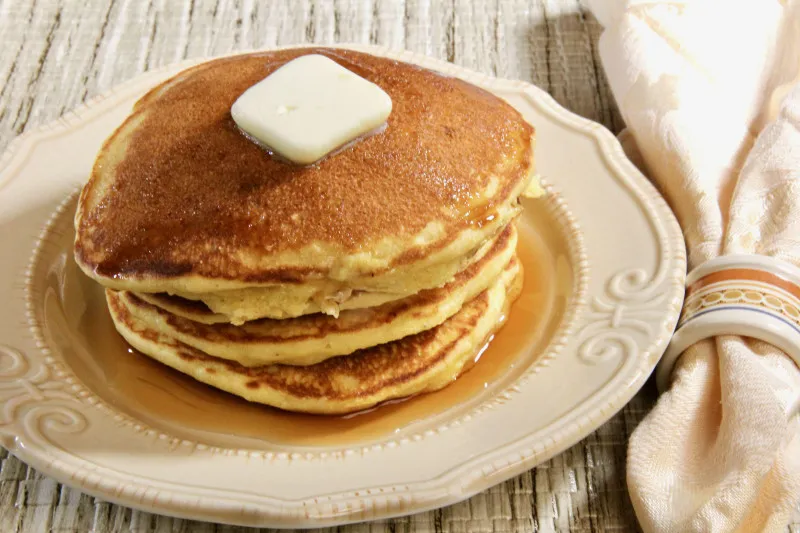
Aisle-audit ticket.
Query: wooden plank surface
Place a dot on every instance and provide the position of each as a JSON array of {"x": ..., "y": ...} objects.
[{"x": 55, "y": 54}]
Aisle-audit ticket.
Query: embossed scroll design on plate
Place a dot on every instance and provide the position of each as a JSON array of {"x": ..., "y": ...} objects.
[
  {"x": 32, "y": 398},
  {"x": 633, "y": 302}
]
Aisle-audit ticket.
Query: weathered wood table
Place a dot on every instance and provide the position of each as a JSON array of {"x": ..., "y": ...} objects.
[{"x": 56, "y": 54}]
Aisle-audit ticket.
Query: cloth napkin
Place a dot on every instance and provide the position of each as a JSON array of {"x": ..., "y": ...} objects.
[{"x": 710, "y": 93}]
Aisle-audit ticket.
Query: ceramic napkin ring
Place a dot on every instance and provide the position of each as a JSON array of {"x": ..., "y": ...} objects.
[{"x": 747, "y": 295}]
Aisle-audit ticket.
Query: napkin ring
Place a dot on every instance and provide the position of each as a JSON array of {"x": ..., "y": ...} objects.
[{"x": 747, "y": 295}]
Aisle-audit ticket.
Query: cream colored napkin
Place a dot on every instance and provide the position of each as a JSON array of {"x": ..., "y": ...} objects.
[{"x": 710, "y": 92}]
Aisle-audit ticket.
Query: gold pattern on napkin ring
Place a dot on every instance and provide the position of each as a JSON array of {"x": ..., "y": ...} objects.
[{"x": 747, "y": 295}]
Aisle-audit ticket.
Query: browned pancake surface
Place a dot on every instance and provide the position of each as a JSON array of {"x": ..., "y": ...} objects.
[{"x": 192, "y": 191}]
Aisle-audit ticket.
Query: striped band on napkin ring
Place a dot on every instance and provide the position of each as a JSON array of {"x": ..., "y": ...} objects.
[{"x": 748, "y": 295}]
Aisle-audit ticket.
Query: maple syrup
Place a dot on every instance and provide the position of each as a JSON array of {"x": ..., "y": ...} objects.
[{"x": 176, "y": 404}]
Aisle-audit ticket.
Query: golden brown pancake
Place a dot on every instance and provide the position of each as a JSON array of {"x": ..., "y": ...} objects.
[
  {"x": 180, "y": 201},
  {"x": 419, "y": 363},
  {"x": 238, "y": 306},
  {"x": 313, "y": 338},
  {"x": 245, "y": 305}
]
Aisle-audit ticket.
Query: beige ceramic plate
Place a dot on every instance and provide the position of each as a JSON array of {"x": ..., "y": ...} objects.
[{"x": 605, "y": 270}]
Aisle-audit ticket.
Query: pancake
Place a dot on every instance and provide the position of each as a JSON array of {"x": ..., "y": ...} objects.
[
  {"x": 180, "y": 202},
  {"x": 419, "y": 363},
  {"x": 238, "y": 306},
  {"x": 310, "y": 339},
  {"x": 243, "y": 305}
]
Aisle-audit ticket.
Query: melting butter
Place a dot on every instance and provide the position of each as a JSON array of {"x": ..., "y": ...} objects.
[
  {"x": 309, "y": 108},
  {"x": 534, "y": 188}
]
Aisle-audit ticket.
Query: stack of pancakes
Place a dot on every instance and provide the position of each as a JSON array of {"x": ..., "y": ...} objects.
[{"x": 377, "y": 273}]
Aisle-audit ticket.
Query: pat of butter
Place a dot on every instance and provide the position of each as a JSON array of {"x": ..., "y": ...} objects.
[{"x": 309, "y": 107}]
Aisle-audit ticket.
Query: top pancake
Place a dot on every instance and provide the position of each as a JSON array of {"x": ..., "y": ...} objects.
[{"x": 180, "y": 200}]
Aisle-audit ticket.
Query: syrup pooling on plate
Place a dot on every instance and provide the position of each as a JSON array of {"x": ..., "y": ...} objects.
[{"x": 171, "y": 402}]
